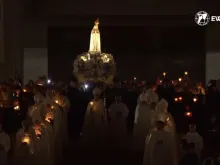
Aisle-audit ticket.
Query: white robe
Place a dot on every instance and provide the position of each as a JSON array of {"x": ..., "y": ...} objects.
[
  {"x": 118, "y": 113},
  {"x": 143, "y": 124},
  {"x": 64, "y": 103},
  {"x": 95, "y": 124},
  {"x": 5, "y": 143},
  {"x": 159, "y": 149},
  {"x": 197, "y": 140}
]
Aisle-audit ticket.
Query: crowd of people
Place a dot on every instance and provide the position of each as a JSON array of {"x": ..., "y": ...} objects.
[{"x": 38, "y": 122}]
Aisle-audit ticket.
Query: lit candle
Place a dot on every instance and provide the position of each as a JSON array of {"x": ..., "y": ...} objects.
[
  {"x": 195, "y": 99},
  {"x": 188, "y": 114},
  {"x": 180, "y": 98},
  {"x": 176, "y": 99},
  {"x": 56, "y": 101},
  {"x": 17, "y": 108},
  {"x": 164, "y": 74},
  {"x": 180, "y": 79},
  {"x": 26, "y": 139},
  {"x": 91, "y": 103},
  {"x": 24, "y": 90},
  {"x": 186, "y": 73},
  {"x": 135, "y": 78}
]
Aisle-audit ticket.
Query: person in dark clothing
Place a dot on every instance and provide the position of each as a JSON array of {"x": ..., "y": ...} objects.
[
  {"x": 190, "y": 157},
  {"x": 74, "y": 114}
]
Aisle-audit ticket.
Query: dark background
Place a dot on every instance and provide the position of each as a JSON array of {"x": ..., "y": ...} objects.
[{"x": 143, "y": 52}]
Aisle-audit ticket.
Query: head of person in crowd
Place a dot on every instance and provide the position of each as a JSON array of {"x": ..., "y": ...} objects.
[
  {"x": 144, "y": 98},
  {"x": 160, "y": 125},
  {"x": 192, "y": 128},
  {"x": 162, "y": 106},
  {"x": 97, "y": 93},
  {"x": 58, "y": 91}
]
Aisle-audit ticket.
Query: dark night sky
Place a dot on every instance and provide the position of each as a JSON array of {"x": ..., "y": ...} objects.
[{"x": 139, "y": 51}]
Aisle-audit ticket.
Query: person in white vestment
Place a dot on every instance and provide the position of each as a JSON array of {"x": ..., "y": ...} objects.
[
  {"x": 57, "y": 123},
  {"x": 4, "y": 146},
  {"x": 159, "y": 147},
  {"x": 162, "y": 112},
  {"x": 145, "y": 112},
  {"x": 118, "y": 112},
  {"x": 64, "y": 103},
  {"x": 95, "y": 121},
  {"x": 193, "y": 137}
]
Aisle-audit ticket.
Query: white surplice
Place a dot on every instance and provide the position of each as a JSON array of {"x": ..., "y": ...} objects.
[
  {"x": 95, "y": 123},
  {"x": 143, "y": 124},
  {"x": 159, "y": 149},
  {"x": 194, "y": 137},
  {"x": 64, "y": 103},
  {"x": 118, "y": 136}
]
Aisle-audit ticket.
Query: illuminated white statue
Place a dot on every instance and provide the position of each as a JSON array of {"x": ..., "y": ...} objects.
[{"x": 95, "y": 41}]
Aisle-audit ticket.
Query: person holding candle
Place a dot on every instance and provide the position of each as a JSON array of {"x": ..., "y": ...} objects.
[
  {"x": 159, "y": 146},
  {"x": 95, "y": 120},
  {"x": 145, "y": 112}
]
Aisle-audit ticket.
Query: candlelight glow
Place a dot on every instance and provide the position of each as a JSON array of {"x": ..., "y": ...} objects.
[
  {"x": 195, "y": 99},
  {"x": 49, "y": 117},
  {"x": 180, "y": 79},
  {"x": 91, "y": 103},
  {"x": 186, "y": 73},
  {"x": 176, "y": 99},
  {"x": 180, "y": 98},
  {"x": 17, "y": 107},
  {"x": 24, "y": 90},
  {"x": 135, "y": 78},
  {"x": 26, "y": 139},
  {"x": 188, "y": 114},
  {"x": 57, "y": 101},
  {"x": 164, "y": 74}
]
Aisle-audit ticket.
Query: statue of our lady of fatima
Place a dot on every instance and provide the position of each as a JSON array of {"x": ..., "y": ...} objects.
[{"x": 95, "y": 41}]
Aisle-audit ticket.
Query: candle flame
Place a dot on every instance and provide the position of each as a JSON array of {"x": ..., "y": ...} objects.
[
  {"x": 26, "y": 139},
  {"x": 91, "y": 103},
  {"x": 195, "y": 99}
]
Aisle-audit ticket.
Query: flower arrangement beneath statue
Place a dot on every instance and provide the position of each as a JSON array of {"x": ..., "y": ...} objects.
[{"x": 95, "y": 67}]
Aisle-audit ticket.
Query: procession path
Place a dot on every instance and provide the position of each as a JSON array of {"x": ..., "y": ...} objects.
[{"x": 81, "y": 155}]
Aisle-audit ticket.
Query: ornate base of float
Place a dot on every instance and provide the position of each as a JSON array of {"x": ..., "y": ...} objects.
[{"x": 95, "y": 67}]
